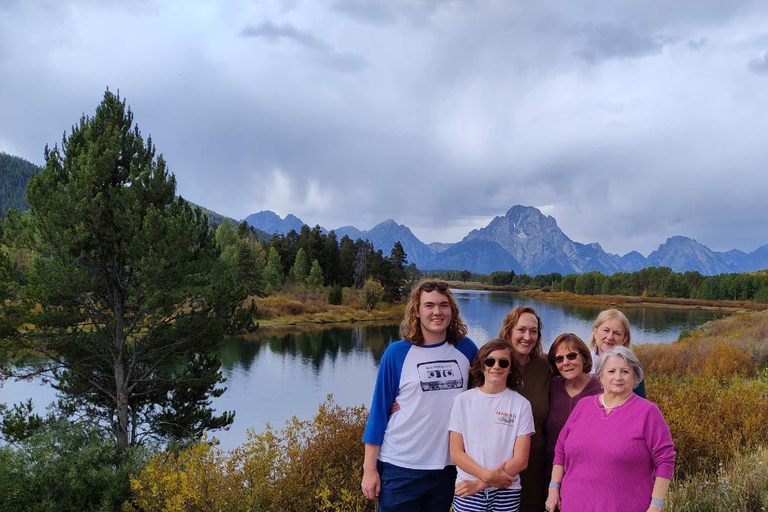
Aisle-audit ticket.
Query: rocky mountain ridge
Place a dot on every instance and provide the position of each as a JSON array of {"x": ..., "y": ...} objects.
[{"x": 526, "y": 241}]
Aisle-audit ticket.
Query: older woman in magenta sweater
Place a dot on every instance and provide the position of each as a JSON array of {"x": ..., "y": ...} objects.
[{"x": 615, "y": 452}]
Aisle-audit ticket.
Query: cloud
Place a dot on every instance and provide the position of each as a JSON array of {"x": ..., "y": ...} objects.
[
  {"x": 759, "y": 65},
  {"x": 606, "y": 41},
  {"x": 274, "y": 33},
  {"x": 698, "y": 44},
  {"x": 326, "y": 54}
]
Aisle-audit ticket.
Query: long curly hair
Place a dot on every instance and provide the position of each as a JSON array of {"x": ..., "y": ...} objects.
[
  {"x": 410, "y": 328},
  {"x": 510, "y": 321},
  {"x": 476, "y": 375}
]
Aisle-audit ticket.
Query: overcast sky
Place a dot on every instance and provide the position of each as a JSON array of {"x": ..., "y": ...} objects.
[{"x": 627, "y": 121}]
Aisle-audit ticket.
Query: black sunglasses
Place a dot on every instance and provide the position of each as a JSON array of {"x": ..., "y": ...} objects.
[
  {"x": 571, "y": 356},
  {"x": 431, "y": 285},
  {"x": 490, "y": 361}
]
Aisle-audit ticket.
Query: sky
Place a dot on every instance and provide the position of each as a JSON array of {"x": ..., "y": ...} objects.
[{"x": 628, "y": 122}]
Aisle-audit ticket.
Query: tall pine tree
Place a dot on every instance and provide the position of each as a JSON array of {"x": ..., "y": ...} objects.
[{"x": 125, "y": 297}]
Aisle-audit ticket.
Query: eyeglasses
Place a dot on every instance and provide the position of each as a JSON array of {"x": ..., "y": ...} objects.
[
  {"x": 490, "y": 361},
  {"x": 571, "y": 356},
  {"x": 432, "y": 285}
]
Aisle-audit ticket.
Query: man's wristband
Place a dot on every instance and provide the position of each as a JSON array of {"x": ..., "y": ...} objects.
[
  {"x": 556, "y": 485},
  {"x": 657, "y": 502}
]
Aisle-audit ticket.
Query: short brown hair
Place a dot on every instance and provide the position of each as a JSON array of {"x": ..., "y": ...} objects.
[
  {"x": 574, "y": 341},
  {"x": 510, "y": 321},
  {"x": 410, "y": 328},
  {"x": 476, "y": 375}
]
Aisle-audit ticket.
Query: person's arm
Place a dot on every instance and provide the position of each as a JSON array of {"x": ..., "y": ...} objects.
[
  {"x": 660, "y": 488},
  {"x": 519, "y": 460},
  {"x": 553, "y": 498},
  {"x": 494, "y": 477},
  {"x": 371, "y": 483}
]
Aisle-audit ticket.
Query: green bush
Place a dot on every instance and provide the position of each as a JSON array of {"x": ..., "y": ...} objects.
[
  {"x": 335, "y": 295},
  {"x": 66, "y": 467}
]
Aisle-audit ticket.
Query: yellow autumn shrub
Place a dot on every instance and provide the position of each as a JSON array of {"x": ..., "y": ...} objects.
[
  {"x": 711, "y": 418},
  {"x": 307, "y": 465}
]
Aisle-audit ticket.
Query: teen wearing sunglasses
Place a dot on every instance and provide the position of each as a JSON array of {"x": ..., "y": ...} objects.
[
  {"x": 490, "y": 433},
  {"x": 571, "y": 363}
]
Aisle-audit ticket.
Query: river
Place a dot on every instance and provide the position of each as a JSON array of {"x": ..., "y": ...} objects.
[{"x": 273, "y": 376}]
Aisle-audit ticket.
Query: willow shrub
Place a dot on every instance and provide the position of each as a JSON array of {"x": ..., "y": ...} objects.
[
  {"x": 711, "y": 418},
  {"x": 695, "y": 357},
  {"x": 738, "y": 486},
  {"x": 308, "y": 465}
]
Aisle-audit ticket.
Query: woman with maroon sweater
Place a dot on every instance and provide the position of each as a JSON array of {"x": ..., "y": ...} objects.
[{"x": 571, "y": 363}]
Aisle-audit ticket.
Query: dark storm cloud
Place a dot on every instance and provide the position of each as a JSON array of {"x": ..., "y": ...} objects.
[
  {"x": 759, "y": 65},
  {"x": 606, "y": 41},
  {"x": 439, "y": 114}
]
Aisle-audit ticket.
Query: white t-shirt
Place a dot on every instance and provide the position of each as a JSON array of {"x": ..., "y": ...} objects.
[{"x": 489, "y": 425}]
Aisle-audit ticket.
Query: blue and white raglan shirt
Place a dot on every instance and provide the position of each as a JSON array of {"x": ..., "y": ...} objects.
[{"x": 424, "y": 381}]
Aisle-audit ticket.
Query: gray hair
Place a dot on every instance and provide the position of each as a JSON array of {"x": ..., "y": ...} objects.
[{"x": 628, "y": 356}]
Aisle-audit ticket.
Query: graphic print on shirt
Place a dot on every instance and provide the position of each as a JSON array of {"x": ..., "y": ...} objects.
[
  {"x": 505, "y": 418},
  {"x": 439, "y": 375}
]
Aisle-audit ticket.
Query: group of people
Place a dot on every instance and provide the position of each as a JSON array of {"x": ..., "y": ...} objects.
[{"x": 507, "y": 427}]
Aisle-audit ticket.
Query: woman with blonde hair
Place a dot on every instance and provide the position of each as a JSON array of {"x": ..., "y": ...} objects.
[{"x": 611, "y": 329}]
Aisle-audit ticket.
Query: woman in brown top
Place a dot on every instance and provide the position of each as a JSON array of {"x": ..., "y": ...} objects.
[{"x": 522, "y": 329}]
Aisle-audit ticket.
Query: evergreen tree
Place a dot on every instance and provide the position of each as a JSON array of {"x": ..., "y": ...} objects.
[
  {"x": 347, "y": 255},
  {"x": 273, "y": 275},
  {"x": 315, "y": 277},
  {"x": 300, "y": 269},
  {"x": 125, "y": 297}
]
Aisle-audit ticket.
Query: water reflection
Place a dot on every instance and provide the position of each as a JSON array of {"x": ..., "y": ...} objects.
[{"x": 277, "y": 373}]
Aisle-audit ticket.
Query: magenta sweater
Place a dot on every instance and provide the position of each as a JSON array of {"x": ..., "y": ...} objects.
[{"x": 611, "y": 461}]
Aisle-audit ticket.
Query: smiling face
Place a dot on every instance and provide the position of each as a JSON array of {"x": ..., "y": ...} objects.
[
  {"x": 618, "y": 379},
  {"x": 525, "y": 334},
  {"x": 610, "y": 333},
  {"x": 435, "y": 316},
  {"x": 570, "y": 369},
  {"x": 496, "y": 376}
]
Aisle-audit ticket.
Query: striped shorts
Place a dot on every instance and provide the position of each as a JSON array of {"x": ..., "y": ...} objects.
[{"x": 489, "y": 500}]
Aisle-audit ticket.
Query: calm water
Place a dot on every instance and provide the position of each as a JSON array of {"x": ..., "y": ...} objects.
[{"x": 273, "y": 376}]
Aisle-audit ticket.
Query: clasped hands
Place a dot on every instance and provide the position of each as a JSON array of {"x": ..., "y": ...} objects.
[{"x": 494, "y": 478}]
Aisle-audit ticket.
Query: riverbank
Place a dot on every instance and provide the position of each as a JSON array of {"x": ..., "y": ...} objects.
[
  {"x": 287, "y": 310},
  {"x": 660, "y": 302}
]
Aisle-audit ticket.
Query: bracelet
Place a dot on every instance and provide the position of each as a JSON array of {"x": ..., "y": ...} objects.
[
  {"x": 658, "y": 502},
  {"x": 555, "y": 485}
]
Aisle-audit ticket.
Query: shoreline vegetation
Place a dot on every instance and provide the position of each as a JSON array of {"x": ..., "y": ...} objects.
[
  {"x": 299, "y": 309},
  {"x": 711, "y": 385}
]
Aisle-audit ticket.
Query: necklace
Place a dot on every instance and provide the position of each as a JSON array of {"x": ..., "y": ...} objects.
[{"x": 609, "y": 408}]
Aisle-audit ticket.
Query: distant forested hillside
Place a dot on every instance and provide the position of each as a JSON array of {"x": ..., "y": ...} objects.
[{"x": 14, "y": 176}]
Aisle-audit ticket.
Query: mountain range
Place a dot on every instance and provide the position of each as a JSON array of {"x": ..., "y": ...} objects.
[
  {"x": 524, "y": 240},
  {"x": 527, "y": 241}
]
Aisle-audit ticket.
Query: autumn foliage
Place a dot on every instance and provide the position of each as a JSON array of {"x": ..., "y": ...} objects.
[{"x": 307, "y": 465}]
